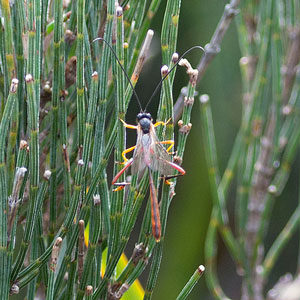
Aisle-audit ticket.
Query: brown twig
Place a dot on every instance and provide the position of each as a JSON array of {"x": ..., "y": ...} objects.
[
  {"x": 292, "y": 59},
  {"x": 211, "y": 49},
  {"x": 115, "y": 291},
  {"x": 214, "y": 46},
  {"x": 257, "y": 200},
  {"x": 103, "y": 18},
  {"x": 14, "y": 200},
  {"x": 138, "y": 253},
  {"x": 141, "y": 59},
  {"x": 81, "y": 248},
  {"x": 89, "y": 290},
  {"x": 55, "y": 254}
]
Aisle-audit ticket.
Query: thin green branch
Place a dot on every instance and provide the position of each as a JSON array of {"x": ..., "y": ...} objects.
[
  {"x": 4, "y": 127},
  {"x": 191, "y": 283}
]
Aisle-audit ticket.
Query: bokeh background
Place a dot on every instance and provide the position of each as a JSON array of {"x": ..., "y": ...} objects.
[{"x": 190, "y": 210}]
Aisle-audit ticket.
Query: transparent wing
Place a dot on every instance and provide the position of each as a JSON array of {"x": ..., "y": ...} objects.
[
  {"x": 139, "y": 162},
  {"x": 160, "y": 158},
  {"x": 150, "y": 153}
]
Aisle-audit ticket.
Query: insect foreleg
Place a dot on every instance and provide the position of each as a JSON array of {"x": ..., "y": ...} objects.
[
  {"x": 128, "y": 125},
  {"x": 162, "y": 123}
]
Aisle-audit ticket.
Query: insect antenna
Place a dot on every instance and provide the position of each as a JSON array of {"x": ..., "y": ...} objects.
[
  {"x": 165, "y": 76},
  {"x": 121, "y": 66}
]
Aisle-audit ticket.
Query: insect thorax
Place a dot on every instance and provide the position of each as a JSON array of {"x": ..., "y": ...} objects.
[{"x": 145, "y": 121}]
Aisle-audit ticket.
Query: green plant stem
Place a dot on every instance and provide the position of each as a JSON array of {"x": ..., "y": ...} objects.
[
  {"x": 31, "y": 290},
  {"x": 19, "y": 16},
  {"x": 8, "y": 42},
  {"x": 118, "y": 198},
  {"x": 73, "y": 207},
  {"x": 280, "y": 242},
  {"x": 52, "y": 267},
  {"x": 89, "y": 126},
  {"x": 95, "y": 208},
  {"x": 25, "y": 281},
  {"x": 229, "y": 172},
  {"x": 191, "y": 283},
  {"x": 99, "y": 140},
  {"x": 251, "y": 118},
  {"x": 34, "y": 32},
  {"x": 31, "y": 38},
  {"x": 125, "y": 236},
  {"x": 139, "y": 10},
  {"x": 39, "y": 222},
  {"x": 115, "y": 258},
  {"x": 218, "y": 195},
  {"x": 11, "y": 147},
  {"x": 165, "y": 110},
  {"x": 33, "y": 175},
  {"x": 210, "y": 251},
  {"x": 170, "y": 29},
  {"x": 4, "y": 127},
  {"x": 154, "y": 5},
  {"x": 69, "y": 294},
  {"x": 93, "y": 240},
  {"x": 80, "y": 73},
  {"x": 54, "y": 117}
]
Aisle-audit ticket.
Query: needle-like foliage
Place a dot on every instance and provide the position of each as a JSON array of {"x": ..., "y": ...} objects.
[
  {"x": 63, "y": 228},
  {"x": 62, "y": 120}
]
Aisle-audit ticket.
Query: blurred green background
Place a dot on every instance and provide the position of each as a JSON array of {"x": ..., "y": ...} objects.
[{"x": 190, "y": 210}]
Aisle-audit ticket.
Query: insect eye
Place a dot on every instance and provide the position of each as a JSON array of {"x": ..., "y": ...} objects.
[
  {"x": 149, "y": 116},
  {"x": 139, "y": 116}
]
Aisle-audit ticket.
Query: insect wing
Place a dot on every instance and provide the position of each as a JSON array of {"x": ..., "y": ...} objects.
[
  {"x": 139, "y": 161},
  {"x": 160, "y": 158}
]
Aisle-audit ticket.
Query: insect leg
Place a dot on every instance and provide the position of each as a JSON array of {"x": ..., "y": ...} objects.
[
  {"x": 125, "y": 152},
  {"x": 155, "y": 218},
  {"x": 128, "y": 125},
  {"x": 177, "y": 168},
  {"x": 162, "y": 123},
  {"x": 128, "y": 164},
  {"x": 169, "y": 142}
]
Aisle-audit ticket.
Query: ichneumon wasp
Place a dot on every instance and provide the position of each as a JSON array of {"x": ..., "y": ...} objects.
[{"x": 148, "y": 152}]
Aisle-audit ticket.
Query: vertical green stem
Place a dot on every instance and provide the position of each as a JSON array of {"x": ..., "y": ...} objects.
[
  {"x": 53, "y": 265},
  {"x": 191, "y": 283},
  {"x": 4, "y": 125},
  {"x": 80, "y": 73},
  {"x": 118, "y": 198},
  {"x": 214, "y": 177},
  {"x": 33, "y": 122},
  {"x": 8, "y": 42},
  {"x": 54, "y": 117}
]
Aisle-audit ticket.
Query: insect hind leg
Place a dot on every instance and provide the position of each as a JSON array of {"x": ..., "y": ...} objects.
[
  {"x": 120, "y": 186},
  {"x": 177, "y": 168},
  {"x": 167, "y": 178}
]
